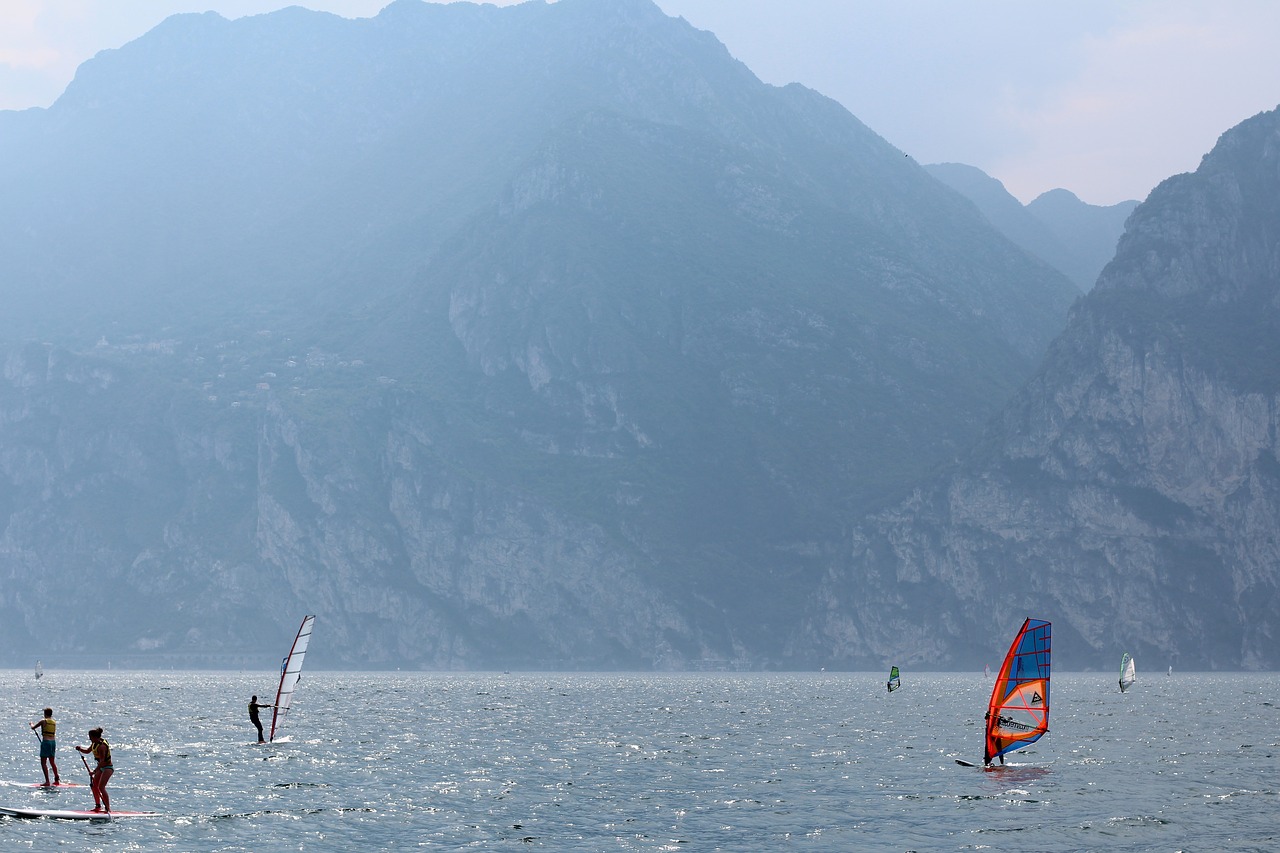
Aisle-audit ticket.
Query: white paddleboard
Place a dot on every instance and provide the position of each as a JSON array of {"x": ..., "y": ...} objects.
[
  {"x": 72, "y": 814},
  {"x": 51, "y": 787}
]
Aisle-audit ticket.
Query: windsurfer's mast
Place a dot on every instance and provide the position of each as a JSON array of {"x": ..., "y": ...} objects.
[{"x": 290, "y": 672}]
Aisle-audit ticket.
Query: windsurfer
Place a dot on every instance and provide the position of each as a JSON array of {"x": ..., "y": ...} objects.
[
  {"x": 101, "y": 773},
  {"x": 253, "y": 716},
  {"x": 999, "y": 744},
  {"x": 48, "y": 745}
]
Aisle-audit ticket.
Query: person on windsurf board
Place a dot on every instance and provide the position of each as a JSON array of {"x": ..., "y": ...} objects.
[
  {"x": 48, "y": 746},
  {"x": 1018, "y": 711},
  {"x": 101, "y": 773},
  {"x": 997, "y": 742},
  {"x": 253, "y": 716}
]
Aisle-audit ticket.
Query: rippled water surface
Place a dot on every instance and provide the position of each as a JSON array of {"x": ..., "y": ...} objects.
[{"x": 649, "y": 762}]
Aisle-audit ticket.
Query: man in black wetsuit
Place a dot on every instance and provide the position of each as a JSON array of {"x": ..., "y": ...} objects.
[
  {"x": 253, "y": 716},
  {"x": 986, "y": 757}
]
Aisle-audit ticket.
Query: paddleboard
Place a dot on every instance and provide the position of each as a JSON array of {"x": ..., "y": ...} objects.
[
  {"x": 43, "y": 785},
  {"x": 72, "y": 814}
]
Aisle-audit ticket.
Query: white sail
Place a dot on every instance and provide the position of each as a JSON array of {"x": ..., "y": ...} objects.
[
  {"x": 1128, "y": 673},
  {"x": 39, "y": 669},
  {"x": 290, "y": 672}
]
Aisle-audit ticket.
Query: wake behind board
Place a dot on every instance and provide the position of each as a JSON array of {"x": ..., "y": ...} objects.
[{"x": 72, "y": 814}]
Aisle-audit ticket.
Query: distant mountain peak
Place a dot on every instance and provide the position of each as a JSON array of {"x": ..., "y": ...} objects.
[
  {"x": 1057, "y": 196},
  {"x": 1073, "y": 237}
]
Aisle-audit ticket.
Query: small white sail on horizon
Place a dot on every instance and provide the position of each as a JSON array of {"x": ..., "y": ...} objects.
[{"x": 1128, "y": 673}]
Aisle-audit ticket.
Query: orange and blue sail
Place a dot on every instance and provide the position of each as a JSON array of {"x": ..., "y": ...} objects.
[{"x": 1018, "y": 713}]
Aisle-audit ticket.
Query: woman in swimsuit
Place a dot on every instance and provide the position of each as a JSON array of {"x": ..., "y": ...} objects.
[{"x": 102, "y": 772}]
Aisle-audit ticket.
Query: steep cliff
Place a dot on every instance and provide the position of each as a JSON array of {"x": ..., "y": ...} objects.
[
  {"x": 543, "y": 335},
  {"x": 1130, "y": 491}
]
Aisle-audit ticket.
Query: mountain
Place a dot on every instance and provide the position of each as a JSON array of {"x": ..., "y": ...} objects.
[
  {"x": 1129, "y": 492},
  {"x": 536, "y": 336},
  {"x": 1090, "y": 230},
  {"x": 1073, "y": 237},
  {"x": 1009, "y": 216}
]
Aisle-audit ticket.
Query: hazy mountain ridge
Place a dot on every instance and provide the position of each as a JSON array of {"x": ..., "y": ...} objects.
[
  {"x": 1130, "y": 491},
  {"x": 1091, "y": 230},
  {"x": 1073, "y": 237},
  {"x": 536, "y": 336}
]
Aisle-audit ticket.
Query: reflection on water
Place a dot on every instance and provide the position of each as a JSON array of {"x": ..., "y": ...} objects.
[
  {"x": 1017, "y": 774},
  {"x": 650, "y": 762}
]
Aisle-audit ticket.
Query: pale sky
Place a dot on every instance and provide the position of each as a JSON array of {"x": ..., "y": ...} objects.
[{"x": 1103, "y": 97}]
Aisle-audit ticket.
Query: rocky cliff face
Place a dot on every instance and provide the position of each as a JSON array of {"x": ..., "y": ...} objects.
[
  {"x": 182, "y": 530},
  {"x": 536, "y": 336},
  {"x": 1130, "y": 493}
]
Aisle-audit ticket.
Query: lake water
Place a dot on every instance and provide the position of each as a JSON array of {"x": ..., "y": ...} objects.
[{"x": 572, "y": 762}]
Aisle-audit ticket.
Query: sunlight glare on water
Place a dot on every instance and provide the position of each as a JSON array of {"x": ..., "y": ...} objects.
[{"x": 642, "y": 762}]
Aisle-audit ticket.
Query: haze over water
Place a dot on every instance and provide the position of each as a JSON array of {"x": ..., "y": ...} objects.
[{"x": 650, "y": 762}]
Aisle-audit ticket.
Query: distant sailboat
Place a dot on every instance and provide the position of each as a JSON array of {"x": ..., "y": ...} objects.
[
  {"x": 895, "y": 681},
  {"x": 1128, "y": 673},
  {"x": 1170, "y": 672},
  {"x": 986, "y": 670},
  {"x": 39, "y": 670},
  {"x": 1018, "y": 713}
]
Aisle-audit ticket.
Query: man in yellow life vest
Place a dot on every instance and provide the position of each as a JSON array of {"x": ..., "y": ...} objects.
[{"x": 48, "y": 745}]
